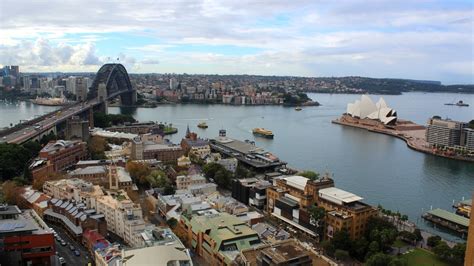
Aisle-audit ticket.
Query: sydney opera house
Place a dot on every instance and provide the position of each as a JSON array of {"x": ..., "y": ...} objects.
[{"x": 365, "y": 109}]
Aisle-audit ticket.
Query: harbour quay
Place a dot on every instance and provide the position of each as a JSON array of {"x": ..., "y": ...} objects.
[
  {"x": 449, "y": 220},
  {"x": 246, "y": 152}
]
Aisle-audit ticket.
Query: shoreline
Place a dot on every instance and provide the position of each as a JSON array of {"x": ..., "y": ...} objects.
[{"x": 408, "y": 139}]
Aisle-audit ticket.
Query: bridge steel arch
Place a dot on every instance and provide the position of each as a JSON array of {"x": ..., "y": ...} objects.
[{"x": 117, "y": 82}]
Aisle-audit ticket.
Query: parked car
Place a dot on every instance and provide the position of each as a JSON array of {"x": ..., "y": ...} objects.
[
  {"x": 62, "y": 261},
  {"x": 77, "y": 253},
  {"x": 63, "y": 243},
  {"x": 71, "y": 247}
]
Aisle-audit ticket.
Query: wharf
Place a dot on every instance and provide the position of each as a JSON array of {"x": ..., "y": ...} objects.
[
  {"x": 414, "y": 137},
  {"x": 448, "y": 220}
]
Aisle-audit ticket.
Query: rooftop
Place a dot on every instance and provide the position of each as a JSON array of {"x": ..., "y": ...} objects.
[
  {"x": 58, "y": 145},
  {"x": 338, "y": 196},
  {"x": 237, "y": 145},
  {"x": 157, "y": 146},
  {"x": 297, "y": 181},
  {"x": 89, "y": 170},
  {"x": 449, "y": 216},
  {"x": 197, "y": 142},
  {"x": 26, "y": 221},
  {"x": 9, "y": 209},
  {"x": 223, "y": 226}
]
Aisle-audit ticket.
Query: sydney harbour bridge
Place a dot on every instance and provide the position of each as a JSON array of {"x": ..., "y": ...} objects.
[{"x": 111, "y": 81}]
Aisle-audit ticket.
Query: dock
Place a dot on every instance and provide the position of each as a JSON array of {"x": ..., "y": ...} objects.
[
  {"x": 448, "y": 220},
  {"x": 411, "y": 133}
]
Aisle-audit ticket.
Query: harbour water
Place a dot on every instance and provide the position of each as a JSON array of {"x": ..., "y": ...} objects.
[{"x": 379, "y": 168}]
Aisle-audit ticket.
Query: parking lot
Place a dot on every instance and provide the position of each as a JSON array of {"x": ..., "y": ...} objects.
[{"x": 67, "y": 253}]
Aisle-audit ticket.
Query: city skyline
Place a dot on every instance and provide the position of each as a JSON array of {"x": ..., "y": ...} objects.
[{"x": 414, "y": 40}]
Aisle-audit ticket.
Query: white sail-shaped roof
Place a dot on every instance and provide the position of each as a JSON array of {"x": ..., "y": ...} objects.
[
  {"x": 356, "y": 110},
  {"x": 366, "y": 106},
  {"x": 381, "y": 103},
  {"x": 366, "y": 109},
  {"x": 350, "y": 107}
]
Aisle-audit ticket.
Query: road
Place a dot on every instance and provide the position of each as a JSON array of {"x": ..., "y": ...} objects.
[
  {"x": 51, "y": 120},
  {"x": 66, "y": 253}
]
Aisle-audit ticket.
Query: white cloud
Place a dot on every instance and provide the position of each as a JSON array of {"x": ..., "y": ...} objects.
[{"x": 306, "y": 37}]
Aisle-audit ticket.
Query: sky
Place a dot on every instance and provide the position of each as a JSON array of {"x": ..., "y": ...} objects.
[{"x": 414, "y": 39}]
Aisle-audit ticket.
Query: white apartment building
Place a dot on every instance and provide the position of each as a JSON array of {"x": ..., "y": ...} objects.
[
  {"x": 124, "y": 218},
  {"x": 184, "y": 181},
  {"x": 73, "y": 188}
]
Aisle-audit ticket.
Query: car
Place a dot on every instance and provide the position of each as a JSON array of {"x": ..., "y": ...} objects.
[
  {"x": 62, "y": 261},
  {"x": 63, "y": 243},
  {"x": 71, "y": 247},
  {"x": 77, "y": 253}
]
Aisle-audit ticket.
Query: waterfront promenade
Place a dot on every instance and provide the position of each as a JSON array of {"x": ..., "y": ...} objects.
[{"x": 414, "y": 137}]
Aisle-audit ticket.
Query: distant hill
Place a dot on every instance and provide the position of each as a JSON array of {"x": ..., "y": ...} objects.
[{"x": 386, "y": 86}]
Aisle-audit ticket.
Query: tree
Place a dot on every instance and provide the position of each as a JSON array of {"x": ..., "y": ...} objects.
[
  {"x": 471, "y": 124},
  {"x": 442, "y": 250},
  {"x": 418, "y": 236},
  {"x": 47, "y": 138},
  {"x": 172, "y": 223},
  {"x": 97, "y": 147},
  {"x": 310, "y": 175},
  {"x": 13, "y": 159},
  {"x": 38, "y": 182},
  {"x": 373, "y": 249},
  {"x": 359, "y": 248},
  {"x": 316, "y": 214},
  {"x": 218, "y": 173},
  {"x": 328, "y": 248},
  {"x": 157, "y": 178},
  {"x": 12, "y": 192},
  {"x": 138, "y": 171},
  {"x": 379, "y": 259},
  {"x": 33, "y": 146},
  {"x": 342, "y": 240},
  {"x": 433, "y": 241},
  {"x": 458, "y": 252},
  {"x": 341, "y": 255},
  {"x": 407, "y": 236}
]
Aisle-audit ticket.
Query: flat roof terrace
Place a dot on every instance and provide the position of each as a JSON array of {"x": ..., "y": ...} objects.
[{"x": 246, "y": 153}]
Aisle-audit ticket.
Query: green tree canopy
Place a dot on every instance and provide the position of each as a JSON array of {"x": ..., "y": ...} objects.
[
  {"x": 433, "y": 241},
  {"x": 221, "y": 176},
  {"x": 311, "y": 175},
  {"x": 442, "y": 250},
  {"x": 379, "y": 259},
  {"x": 13, "y": 160}
]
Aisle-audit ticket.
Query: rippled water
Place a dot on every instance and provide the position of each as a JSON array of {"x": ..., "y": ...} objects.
[{"x": 380, "y": 168}]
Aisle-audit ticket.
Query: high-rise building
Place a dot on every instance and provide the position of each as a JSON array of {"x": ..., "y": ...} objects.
[
  {"x": 445, "y": 132},
  {"x": 15, "y": 71},
  {"x": 81, "y": 89},
  {"x": 26, "y": 83},
  {"x": 469, "y": 133},
  {"x": 71, "y": 85},
  {"x": 173, "y": 84}
]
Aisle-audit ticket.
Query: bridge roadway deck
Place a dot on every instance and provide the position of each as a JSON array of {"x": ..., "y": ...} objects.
[{"x": 52, "y": 119}]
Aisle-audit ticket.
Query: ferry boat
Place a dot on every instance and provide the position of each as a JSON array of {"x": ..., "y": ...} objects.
[
  {"x": 298, "y": 108},
  {"x": 263, "y": 132},
  {"x": 202, "y": 125},
  {"x": 459, "y": 103}
]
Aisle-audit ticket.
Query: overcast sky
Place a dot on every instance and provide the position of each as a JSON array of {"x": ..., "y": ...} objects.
[{"x": 388, "y": 38}]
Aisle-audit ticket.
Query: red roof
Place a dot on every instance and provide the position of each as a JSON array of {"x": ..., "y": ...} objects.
[{"x": 92, "y": 236}]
